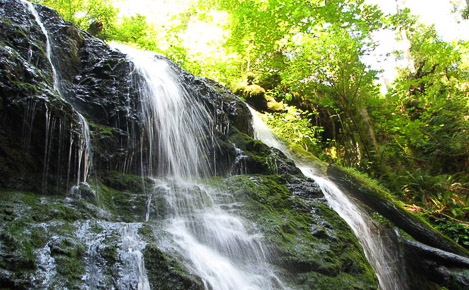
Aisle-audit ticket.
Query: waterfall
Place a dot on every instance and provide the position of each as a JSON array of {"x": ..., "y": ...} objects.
[
  {"x": 84, "y": 142},
  {"x": 192, "y": 217},
  {"x": 383, "y": 260},
  {"x": 131, "y": 253},
  {"x": 36, "y": 16},
  {"x": 174, "y": 123},
  {"x": 84, "y": 150},
  {"x": 130, "y": 271}
]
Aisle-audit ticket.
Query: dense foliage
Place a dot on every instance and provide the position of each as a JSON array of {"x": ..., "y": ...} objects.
[{"x": 309, "y": 56}]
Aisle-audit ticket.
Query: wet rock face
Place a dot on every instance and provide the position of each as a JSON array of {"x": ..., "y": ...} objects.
[
  {"x": 313, "y": 248},
  {"x": 28, "y": 100},
  {"x": 49, "y": 243},
  {"x": 96, "y": 82}
]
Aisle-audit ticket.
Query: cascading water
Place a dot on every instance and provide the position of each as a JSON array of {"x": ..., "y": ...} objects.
[
  {"x": 130, "y": 270},
  {"x": 84, "y": 150},
  {"x": 239, "y": 164},
  {"x": 215, "y": 244},
  {"x": 84, "y": 142},
  {"x": 33, "y": 11},
  {"x": 131, "y": 252},
  {"x": 383, "y": 260}
]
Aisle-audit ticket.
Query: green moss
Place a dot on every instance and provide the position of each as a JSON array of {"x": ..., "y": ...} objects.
[
  {"x": 110, "y": 254},
  {"x": 27, "y": 87},
  {"x": 253, "y": 94},
  {"x": 16, "y": 248},
  {"x": 125, "y": 182},
  {"x": 250, "y": 91},
  {"x": 68, "y": 255},
  {"x": 373, "y": 188},
  {"x": 453, "y": 230},
  {"x": 273, "y": 105},
  {"x": 123, "y": 195},
  {"x": 307, "y": 157},
  {"x": 39, "y": 237},
  {"x": 108, "y": 198},
  {"x": 307, "y": 239},
  {"x": 102, "y": 131},
  {"x": 66, "y": 213},
  {"x": 261, "y": 158},
  {"x": 147, "y": 234},
  {"x": 310, "y": 249},
  {"x": 247, "y": 143},
  {"x": 32, "y": 222},
  {"x": 270, "y": 194},
  {"x": 29, "y": 199},
  {"x": 256, "y": 151},
  {"x": 166, "y": 273},
  {"x": 368, "y": 181}
]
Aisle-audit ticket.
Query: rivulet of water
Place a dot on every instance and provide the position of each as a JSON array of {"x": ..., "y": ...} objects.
[
  {"x": 84, "y": 151},
  {"x": 36, "y": 16},
  {"x": 83, "y": 143},
  {"x": 131, "y": 249},
  {"x": 129, "y": 269},
  {"x": 383, "y": 259},
  {"x": 216, "y": 245}
]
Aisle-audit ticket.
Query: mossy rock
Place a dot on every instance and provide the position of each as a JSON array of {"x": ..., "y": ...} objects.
[
  {"x": 273, "y": 105},
  {"x": 39, "y": 225},
  {"x": 124, "y": 206},
  {"x": 262, "y": 158},
  {"x": 312, "y": 246},
  {"x": 126, "y": 182},
  {"x": 304, "y": 157},
  {"x": 166, "y": 273},
  {"x": 254, "y": 95}
]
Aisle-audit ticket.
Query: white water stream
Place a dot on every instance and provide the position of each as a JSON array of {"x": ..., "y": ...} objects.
[
  {"x": 130, "y": 271},
  {"x": 33, "y": 11},
  {"x": 216, "y": 245},
  {"x": 383, "y": 260},
  {"x": 84, "y": 142}
]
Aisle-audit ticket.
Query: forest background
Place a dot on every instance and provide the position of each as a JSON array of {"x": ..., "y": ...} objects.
[{"x": 302, "y": 63}]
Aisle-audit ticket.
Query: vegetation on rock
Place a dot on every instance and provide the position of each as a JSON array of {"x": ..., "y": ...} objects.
[{"x": 318, "y": 249}]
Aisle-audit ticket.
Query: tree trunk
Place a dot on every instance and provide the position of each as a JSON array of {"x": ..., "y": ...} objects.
[
  {"x": 380, "y": 201},
  {"x": 441, "y": 267}
]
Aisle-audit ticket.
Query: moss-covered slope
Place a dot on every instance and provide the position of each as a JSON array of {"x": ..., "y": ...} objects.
[
  {"x": 310, "y": 244},
  {"x": 61, "y": 242}
]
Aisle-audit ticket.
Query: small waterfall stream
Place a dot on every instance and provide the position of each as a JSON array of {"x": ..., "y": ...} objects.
[
  {"x": 33, "y": 11},
  {"x": 130, "y": 271},
  {"x": 84, "y": 152},
  {"x": 131, "y": 249},
  {"x": 215, "y": 244},
  {"x": 383, "y": 260}
]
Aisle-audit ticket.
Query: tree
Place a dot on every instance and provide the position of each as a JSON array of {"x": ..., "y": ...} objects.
[
  {"x": 425, "y": 125},
  {"x": 84, "y": 13},
  {"x": 312, "y": 52},
  {"x": 136, "y": 30}
]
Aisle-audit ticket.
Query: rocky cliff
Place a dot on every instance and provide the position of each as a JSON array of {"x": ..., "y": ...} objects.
[{"x": 94, "y": 81}]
